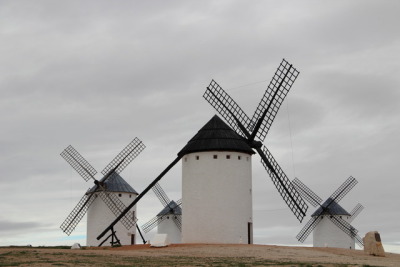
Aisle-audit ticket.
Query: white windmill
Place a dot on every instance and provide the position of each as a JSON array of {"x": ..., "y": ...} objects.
[
  {"x": 330, "y": 223},
  {"x": 216, "y": 167},
  {"x": 169, "y": 219},
  {"x": 216, "y": 186},
  {"x": 106, "y": 199}
]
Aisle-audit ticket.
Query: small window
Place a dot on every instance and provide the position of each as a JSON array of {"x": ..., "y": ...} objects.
[
  {"x": 247, "y": 158},
  {"x": 130, "y": 196},
  {"x": 197, "y": 157},
  {"x": 215, "y": 156},
  {"x": 228, "y": 156},
  {"x": 120, "y": 195},
  {"x": 239, "y": 157},
  {"x": 185, "y": 159}
]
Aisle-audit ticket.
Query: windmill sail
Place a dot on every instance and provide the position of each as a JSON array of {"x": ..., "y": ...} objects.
[
  {"x": 258, "y": 127},
  {"x": 110, "y": 172},
  {"x": 76, "y": 215},
  {"x": 329, "y": 208}
]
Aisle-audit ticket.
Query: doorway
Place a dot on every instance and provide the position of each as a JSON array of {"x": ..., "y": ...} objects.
[{"x": 249, "y": 233}]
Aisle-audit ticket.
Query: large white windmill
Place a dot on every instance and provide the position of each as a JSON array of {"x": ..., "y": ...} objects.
[
  {"x": 216, "y": 186},
  {"x": 169, "y": 219},
  {"x": 216, "y": 167},
  {"x": 330, "y": 223},
  {"x": 106, "y": 199}
]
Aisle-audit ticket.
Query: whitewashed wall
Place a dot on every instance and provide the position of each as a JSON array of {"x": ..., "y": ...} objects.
[
  {"x": 327, "y": 234},
  {"x": 99, "y": 217},
  {"x": 168, "y": 226},
  {"x": 216, "y": 197}
]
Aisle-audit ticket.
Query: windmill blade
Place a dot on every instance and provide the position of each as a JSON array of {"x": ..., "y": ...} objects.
[
  {"x": 354, "y": 213},
  {"x": 79, "y": 163},
  {"x": 147, "y": 227},
  {"x": 178, "y": 221},
  {"x": 77, "y": 214},
  {"x": 116, "y": 206},
  {"x": 282, "y": 183},
  {"x": 226, "y": 107},
  {"x": 343, "y": 225},
  {"x": 160, "y": 193},
  {"x": 343, "y": 190},
  {"x": 129, "y": 153},
  {"x": 308, "y": 228},
  {"x": 359, "y": 241},
  {"x": 306, "y": 192},
  {"x": 273, "y": 97},
  {"x": 179, "y": 202}
]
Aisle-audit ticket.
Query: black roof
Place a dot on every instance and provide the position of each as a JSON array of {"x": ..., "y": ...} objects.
[
  {"x": 334, "y": 209},
  {"x": 115, "y": 183},
  {"x": 171, "y": 208},
  {"x": 216, "y": 135}
]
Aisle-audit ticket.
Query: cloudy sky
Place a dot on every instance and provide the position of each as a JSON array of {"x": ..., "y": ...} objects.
[{"x": 96, "y": 74}]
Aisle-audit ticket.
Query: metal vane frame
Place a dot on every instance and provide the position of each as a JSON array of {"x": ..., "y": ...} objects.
[{"x": 255, "y": 130}]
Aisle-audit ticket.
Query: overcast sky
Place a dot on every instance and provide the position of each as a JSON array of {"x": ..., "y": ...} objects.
[{"x": 96, "y": 74}]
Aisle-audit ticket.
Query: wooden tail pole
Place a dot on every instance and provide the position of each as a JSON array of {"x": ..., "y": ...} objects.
[{"x": 139, "y": 197}]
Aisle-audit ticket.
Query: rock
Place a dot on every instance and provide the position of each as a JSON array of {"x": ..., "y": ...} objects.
[
  {"x": 76, "y": 246},
  {"x": 373, "y": 244},
  {"x": 160, "y": 240}
]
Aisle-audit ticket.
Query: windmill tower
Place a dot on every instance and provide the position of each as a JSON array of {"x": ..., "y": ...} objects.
[
  {"x": 330, "y": 223},
  {"x": 216, "y": 186},
  {"x": 169, "y": 219},
  {"x": 106, "y": 199}
]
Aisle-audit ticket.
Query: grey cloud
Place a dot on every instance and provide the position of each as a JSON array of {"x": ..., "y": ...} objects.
[{"x": 13, "y": 226}]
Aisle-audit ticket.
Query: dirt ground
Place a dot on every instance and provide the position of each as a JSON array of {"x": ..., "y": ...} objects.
[{"x": 194, "y": 255}]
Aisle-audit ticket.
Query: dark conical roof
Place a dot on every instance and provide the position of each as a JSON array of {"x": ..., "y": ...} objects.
[
  {"x": 216, "y": 135},
  {"x": 175, "y": 210},
  {"x": 115, "y": 183},
  {"x": 333, "y": 209}
]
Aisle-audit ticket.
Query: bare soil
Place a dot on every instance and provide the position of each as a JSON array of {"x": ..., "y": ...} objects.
[{"x": 194, "y": 255}]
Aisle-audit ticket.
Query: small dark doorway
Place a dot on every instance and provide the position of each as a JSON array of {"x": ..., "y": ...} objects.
[{"x": 249, "y": 233}]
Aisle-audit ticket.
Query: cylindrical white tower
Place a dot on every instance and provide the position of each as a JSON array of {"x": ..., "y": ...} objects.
[
  {"x": 216, "y": 186},
  {"x": 99, "y": 215},
  {"x": 170, "y": 218},
  {"x": 328, "y": 234}
]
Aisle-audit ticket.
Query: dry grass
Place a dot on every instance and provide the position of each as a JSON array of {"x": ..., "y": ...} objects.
[{"x": 193, "y": 255}]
